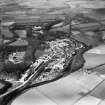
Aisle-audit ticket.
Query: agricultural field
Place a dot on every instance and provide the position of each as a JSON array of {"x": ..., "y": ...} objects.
[{"x": 82, "y": 25}]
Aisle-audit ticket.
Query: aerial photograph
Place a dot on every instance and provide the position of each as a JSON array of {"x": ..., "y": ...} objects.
[{"x": 52, "y": 52}]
